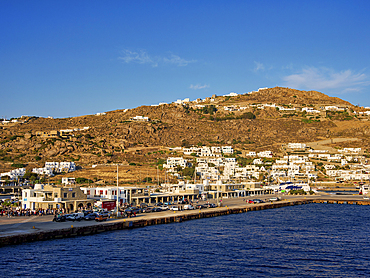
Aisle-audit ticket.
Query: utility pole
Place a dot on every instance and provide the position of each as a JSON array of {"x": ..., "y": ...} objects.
[
  {"x": 117, "y": 205},
  {"x": 157, "y": 176}
]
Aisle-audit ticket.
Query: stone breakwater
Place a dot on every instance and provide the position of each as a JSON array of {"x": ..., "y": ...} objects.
[{"x": 129, "y": 223}]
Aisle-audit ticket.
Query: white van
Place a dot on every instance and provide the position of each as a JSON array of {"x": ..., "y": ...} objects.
[{"x": 189, "y": 207}]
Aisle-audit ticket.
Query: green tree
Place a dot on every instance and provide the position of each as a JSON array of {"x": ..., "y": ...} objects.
[
  {"x": 83, "y": 180},
  {"x": 30, "y": 176},
  {"x": 147, "y": 179},
  {"x": 209, "y": 109},
  {"x": 18, "y": 165}
]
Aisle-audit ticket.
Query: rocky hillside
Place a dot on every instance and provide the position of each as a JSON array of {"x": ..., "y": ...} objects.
[{"x": 115, "y": 138}]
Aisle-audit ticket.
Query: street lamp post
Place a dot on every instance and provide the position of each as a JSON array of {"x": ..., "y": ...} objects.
[{"x": 117, "y": 205}]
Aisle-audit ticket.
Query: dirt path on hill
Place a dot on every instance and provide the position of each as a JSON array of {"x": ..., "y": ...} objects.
[{"x": 323, "y": 144}]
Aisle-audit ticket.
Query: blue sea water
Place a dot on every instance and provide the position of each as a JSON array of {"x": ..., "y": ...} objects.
[{"x": 315, "y": 240}]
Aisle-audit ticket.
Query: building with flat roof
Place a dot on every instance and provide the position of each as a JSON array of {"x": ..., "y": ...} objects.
[{"x": 54, "y": 197}]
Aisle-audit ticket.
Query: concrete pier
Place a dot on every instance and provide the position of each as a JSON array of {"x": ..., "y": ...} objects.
[{"x": 46, "y": 229}]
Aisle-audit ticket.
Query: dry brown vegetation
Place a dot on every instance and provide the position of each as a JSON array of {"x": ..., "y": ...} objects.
[{"x": 112, "y": 138}]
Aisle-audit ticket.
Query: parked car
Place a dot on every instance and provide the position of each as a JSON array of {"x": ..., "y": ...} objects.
[
  {"x": 250, "y": 201},
  {"x": 91, "y": 216},
  {"x": 87, "y": 212},
  {"x": 70, "y": 217},
  {"x": 212, "y": 205},
  {"x": 78, "y": 216},
  {"x": 159, "y": 204},
  {"x": 148, "y": 209},
  {"x": 104, "y": 213},
  {"x": 174, "y": 208},
  {"x": 274, "y": 199},
  {"x": 133, "y": 210},
  {"x": 157, "y": 209},
  {"x": 164, "y": 207},
  {"x": 188, "y": 207},
  {"x": 199, "y": 207},
  {"x": 257, "y": 201}
]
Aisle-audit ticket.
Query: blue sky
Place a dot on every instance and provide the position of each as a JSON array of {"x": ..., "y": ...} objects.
[{"x": 70, "y": 58}]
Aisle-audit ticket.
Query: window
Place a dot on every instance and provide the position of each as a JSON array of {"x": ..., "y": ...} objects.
[
  {"x": 73, "y": 194},
  {"x": 55, "y": 195},
  {"x": 64, "y": 195}
]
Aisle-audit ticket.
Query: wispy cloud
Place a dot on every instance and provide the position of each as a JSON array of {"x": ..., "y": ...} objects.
[
  {"x": 258, "y": 66},
  {"x": 198, "y": 86},
  {"x": 174, "y": 59},
  {"x": 287, "y": 67},
  {"x": 142, "y": 57},
  {"x": 324, "y": 78}
]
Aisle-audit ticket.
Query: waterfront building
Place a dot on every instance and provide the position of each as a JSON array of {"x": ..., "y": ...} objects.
[
  {"x": 54, "y": 197},
  {"x": 110, "y": 193}
]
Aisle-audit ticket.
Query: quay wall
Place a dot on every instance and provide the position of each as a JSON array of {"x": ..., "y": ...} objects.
[{"x": 129, "y": 223}]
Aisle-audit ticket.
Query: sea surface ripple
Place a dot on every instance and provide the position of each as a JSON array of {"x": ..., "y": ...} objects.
[{"x": 315, "y": 240}]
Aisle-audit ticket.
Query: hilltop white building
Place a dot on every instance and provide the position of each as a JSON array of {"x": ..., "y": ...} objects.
[{"x": 140, "y": 119}]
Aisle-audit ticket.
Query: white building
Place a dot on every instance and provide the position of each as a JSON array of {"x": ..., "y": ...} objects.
[
  {"x": 296, "y": 145},
  {"x": 310, "y": 110},
  {"x": 68, "y": 181},
  {"x": 43, "y": 171},
  {"x": 227, "y": 150},
  {"x": 140, "y": 119},
  {"x": 216, "y": 150},
  {"x": 107, "y": 192},
  {"x": 179, "y": 101},
  {"x": 232, "y": 94},
  {"x": 59, "y": 167},
  {"x": 350, "y": 150},
  {"x": 173, "y": 162},
  {"x": 14, "y": 174},
  {"x": 257, "y": 161},
  {"x": 267, "y": 154}
]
